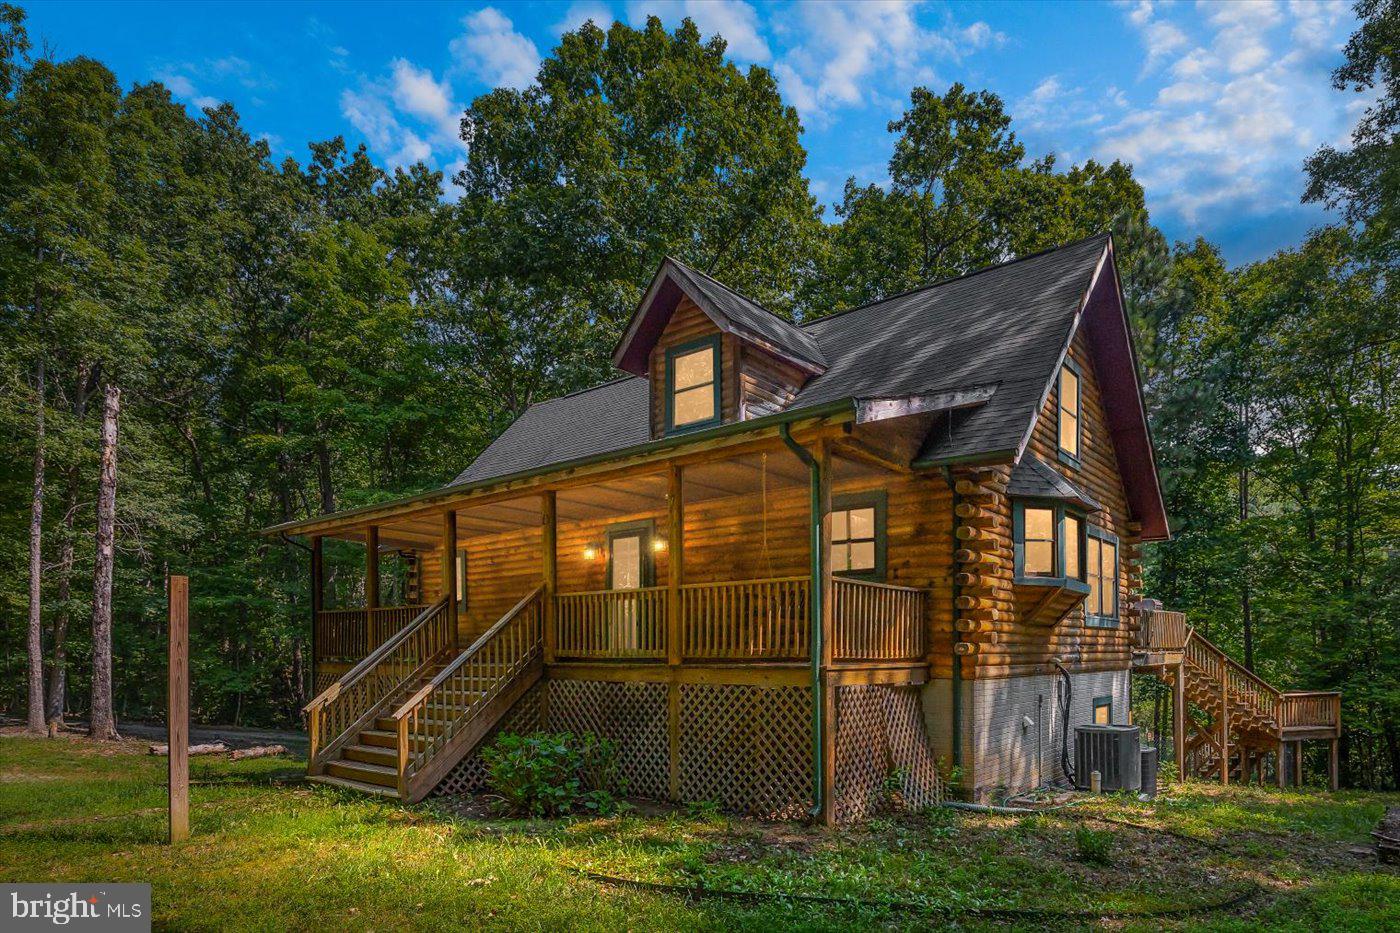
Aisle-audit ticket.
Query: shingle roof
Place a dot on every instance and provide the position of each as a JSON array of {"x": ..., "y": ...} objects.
[
  {"x": 1034, "y": 478},
  {"x": 749, "y": 316},
  {"x": 1006, "y": 325}
]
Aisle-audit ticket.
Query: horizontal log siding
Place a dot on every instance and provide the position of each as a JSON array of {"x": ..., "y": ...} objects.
[
  {"x": 689, "y": 323},
  {"x": 1028, "y": 648},
  {"x": 724, "y": 540},
  {"x": 766, "y": 384}
]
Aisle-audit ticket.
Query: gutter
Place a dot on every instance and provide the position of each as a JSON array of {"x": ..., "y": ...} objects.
[
  {"x": 780, "y": 420},
  {"x": 814, "y": 608}
]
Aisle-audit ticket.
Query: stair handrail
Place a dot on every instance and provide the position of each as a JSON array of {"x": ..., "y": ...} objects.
[
  {"x": 363, "y": 698},
  {"x": 512, "y": 648},
  {"x": 1230, "y": 666}
]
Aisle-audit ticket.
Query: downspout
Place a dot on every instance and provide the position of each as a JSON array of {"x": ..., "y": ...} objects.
[
  {"x": 957, "y": 658},
  {"x": 814, "y": 607}
]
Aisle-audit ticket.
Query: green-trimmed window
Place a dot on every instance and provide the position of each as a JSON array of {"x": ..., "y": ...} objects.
[
  {"x": 858, "y": 535},
  {"x": 1101, "y": 564},
  {"x": 692, "y": 385},
  {"x": 1049, "y": 544},
  {"x": 1070, "y": 432},
  {"x": 1103, "y": 711}
]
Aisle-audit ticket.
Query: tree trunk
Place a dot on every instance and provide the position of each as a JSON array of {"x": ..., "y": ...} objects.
[
  {"x": 58, "y": 665},
  {"x": 35, "y": 722},
  {"x": 103, "y": 725}
]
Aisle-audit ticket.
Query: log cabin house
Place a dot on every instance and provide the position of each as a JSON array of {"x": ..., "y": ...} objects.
[{"x": 780, "y": 565}]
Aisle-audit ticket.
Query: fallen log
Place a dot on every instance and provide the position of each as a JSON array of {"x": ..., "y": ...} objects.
[
  {"x": 213, "y": 748},
  {"x": 258, "y": 751}
]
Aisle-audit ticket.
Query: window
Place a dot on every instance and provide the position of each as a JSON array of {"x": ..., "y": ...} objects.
[
  {"x": 1101, "y": 560},
  {"x": 692, "y": 385},
  {"x": 1049, "y": 543},
  {"x": 461, "y": 581},
  {"x": 1069, "y": 413},
  {"x": 1103, "y": 711},
  {"x": 858, "y": 535}
]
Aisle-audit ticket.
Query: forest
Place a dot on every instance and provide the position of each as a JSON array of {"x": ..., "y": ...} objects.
[{"x": 264, "y": 341}]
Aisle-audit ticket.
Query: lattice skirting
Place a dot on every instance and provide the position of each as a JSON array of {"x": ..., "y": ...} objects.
[
  {"x": 879, "y": 736},
  {"x": 469, "y": 777},
  {"x": 747, "y": 748},
  {"x": 631, "y": 714}
]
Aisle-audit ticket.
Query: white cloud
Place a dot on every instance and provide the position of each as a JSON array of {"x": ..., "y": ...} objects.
[
  {"x": 735, "y": 20},
  {"x": 848, "y": 54},
  {"x": 1242, "y": 108},
  {"x": 580, "y": 12},
  {"x": 491, "y": 50},
  {"x": 417, "y": 93},
  {"x": 369, "y": 112}
]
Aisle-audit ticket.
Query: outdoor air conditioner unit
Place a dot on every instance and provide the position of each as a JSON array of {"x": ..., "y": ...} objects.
[
  {"x": 1113, "y": 751},
  {"x": 1149, "y": 770}
]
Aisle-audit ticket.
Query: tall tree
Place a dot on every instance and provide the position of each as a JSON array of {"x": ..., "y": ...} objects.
[
  {"x": 1365, "y": 179},
  {"x": 102, "y": 724},
  {"x": 35, "y": 646}
]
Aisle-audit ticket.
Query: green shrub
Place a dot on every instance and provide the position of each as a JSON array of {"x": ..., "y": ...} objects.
[
  {"x": 547, "y": 774},
  {"x": 1094, "y": 846}
]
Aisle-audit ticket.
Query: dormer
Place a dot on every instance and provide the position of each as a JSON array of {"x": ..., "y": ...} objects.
[{"x": 710, "y": 355}]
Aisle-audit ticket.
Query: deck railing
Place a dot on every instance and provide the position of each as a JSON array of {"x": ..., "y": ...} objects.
[
  {"x": 349, "y": 634},
  {"x": 1162, "y": 630},
  {"x": 611, "y": 624},
  {"x": 877, "y": 621},
  {"x": 1311, "y": 709},
  {"x": 346, "y": 705}
]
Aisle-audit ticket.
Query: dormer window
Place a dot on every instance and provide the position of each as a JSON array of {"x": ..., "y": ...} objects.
[
  {"x": 692, "y": 385},
  {"x": 1069, "y": 413}
]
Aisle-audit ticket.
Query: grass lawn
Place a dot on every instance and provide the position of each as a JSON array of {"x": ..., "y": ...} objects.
[{"x": 269, "y": 851}]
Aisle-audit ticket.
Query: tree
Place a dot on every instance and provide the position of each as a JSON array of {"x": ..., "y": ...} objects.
[
  {"x": 961, "y": 196},
  {"x": 1365, "y": 179},
  {"x": 632, "y": 145},
  {"x": 102, "y": 725}
]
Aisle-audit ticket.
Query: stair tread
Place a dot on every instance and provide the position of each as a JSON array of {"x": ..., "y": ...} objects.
[
  {"x": 360, "y": 786},
  {"x": 366, "y": 766}
]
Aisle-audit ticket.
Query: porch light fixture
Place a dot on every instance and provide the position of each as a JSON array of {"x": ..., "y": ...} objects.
[
  {"x": 590, "y": 552},
  {"x": 658, "y": 544}
]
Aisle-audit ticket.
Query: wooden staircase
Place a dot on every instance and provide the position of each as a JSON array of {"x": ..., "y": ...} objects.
[
  {"x": 403, "y": 717},
  {"x": 1239, "y": 718}
]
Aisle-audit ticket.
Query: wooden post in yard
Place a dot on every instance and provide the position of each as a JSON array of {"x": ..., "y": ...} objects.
[
  {"x": 1179, "y": 719},
  {"x": 1298, "y": 763},
  {"x": 1279, "y": 762},
  {"x": 178, "y": 707},
  {"x": 1333, "y": 780}
]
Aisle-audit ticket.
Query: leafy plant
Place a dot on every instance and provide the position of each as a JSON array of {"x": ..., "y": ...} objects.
[
  {"x": 546, "y": 774},
  {"x": 1094, "y": 846}
]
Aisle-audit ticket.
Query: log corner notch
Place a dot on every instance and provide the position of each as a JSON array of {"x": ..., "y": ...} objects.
[{"x": 983, "y": 557}]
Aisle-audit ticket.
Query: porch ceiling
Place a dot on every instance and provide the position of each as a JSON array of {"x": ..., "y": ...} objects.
[{"x": 609, "y": 499}]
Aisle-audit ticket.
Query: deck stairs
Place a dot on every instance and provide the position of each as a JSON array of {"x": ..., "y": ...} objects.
[
  {"x": 1237, "y": 715},
  {"x": 402, "y": 718}
]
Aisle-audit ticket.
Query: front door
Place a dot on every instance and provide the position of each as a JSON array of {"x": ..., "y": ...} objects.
[{"x": 628, "y": 569}]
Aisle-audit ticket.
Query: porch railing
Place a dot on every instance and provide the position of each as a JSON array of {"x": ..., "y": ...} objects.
[
  {"x": 349, "y": 634},
  {"x": 344, "y": 707},
  {"x": 1162, "y": 630},
  {"x": 741, "y": 620},
  {"x": 611, "y": 624},
  {"x": 877, "y": 621}
]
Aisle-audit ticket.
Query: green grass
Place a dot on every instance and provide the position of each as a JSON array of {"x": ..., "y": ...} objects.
[{"x": 269, "y": 851}]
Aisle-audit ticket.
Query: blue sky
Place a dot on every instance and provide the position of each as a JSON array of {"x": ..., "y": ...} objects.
[{"x": 1215, "y": 104}]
